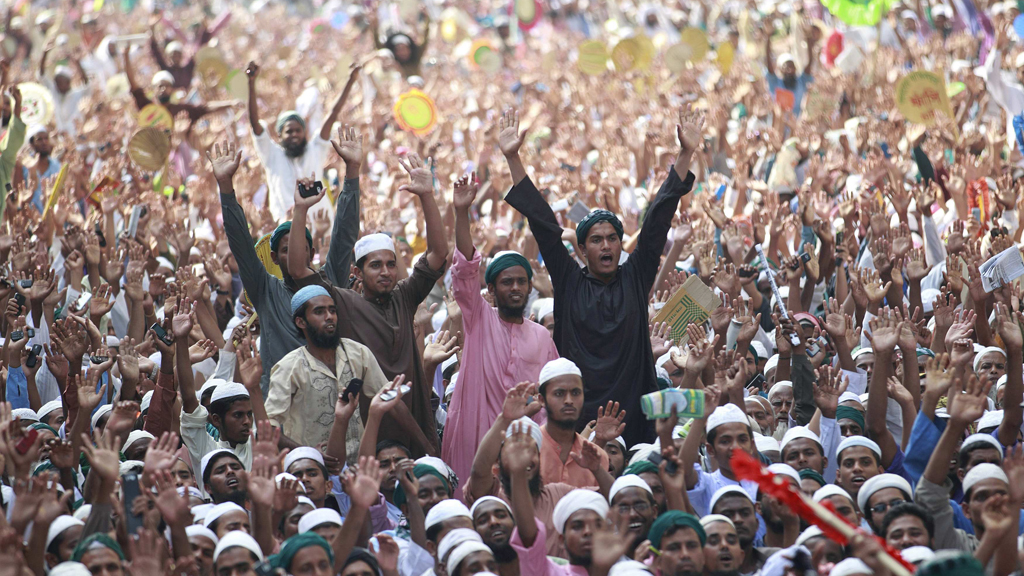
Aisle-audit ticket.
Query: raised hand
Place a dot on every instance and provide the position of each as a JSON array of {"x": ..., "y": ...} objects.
[
  {"x": 519, "y": 449},
  {"x": 441, "y": 349},
  {"x": 510, "y": 140},
  {"x": 103, "y": 457},
  {"x": 610, "y": 423},
  {"x": 307, "y": 202},
  {"x": 937, "y": 375},
  {"x": 250, "y": 363},
  {"x": 955, "y": 240},
  {"x": 690, "y": 130},
  {"x": 226, "y": 157},
  {"x": 661, "y": 338},
  {"x": 917, "y": 267},
  {"x": 967, "y": 406},
  {"x": 184, "y": 318},
  {"x": 88, "y": 396},
  {"x": 963, "y": 326},
  {"x": 261, "y": 480},
  {"x": 465, "y": 191},
  {"x": 421, "y": 178},
  {"x": 380, "y": 405},
  {"x": 173, "y": 507},
  {"x": 1006, "y": 323},
  {"x": 348, "y": 145},
  {"x": 161, "y": 453},
  {"x": 362, "y": 486},
  {"x": 884, "y": 331},
  {"x": 589, "y": 456},
  {"x": 517, "y": 402}
]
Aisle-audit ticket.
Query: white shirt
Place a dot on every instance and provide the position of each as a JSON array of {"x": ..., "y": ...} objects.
[
  {"x": 708, "y": 484},
  {"x": 199, "y": 442},
  {"x": 65, "y": 106},
  {"x": 1008, "y": 95},
  {"x": 282, "y": 173}
]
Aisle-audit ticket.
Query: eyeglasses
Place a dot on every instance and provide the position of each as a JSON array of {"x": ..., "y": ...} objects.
[
  {"x": 639, "y": 507},
  {"x": 883, "y": 507}
]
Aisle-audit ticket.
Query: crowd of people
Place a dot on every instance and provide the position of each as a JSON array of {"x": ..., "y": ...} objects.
[{"x": 407, "y": 326}]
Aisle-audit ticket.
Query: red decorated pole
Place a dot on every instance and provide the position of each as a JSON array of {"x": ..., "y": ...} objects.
[{"x": 834, "y": 526}]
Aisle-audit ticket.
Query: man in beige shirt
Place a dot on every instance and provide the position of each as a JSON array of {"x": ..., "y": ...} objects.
[{"x": 305, "y": 383}]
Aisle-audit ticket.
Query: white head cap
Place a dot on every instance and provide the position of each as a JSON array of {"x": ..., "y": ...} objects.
[
  {"x": 48, "y": 408},
  {"x": 728, "y": 414},
  {"x": 303, "y": 453},
  {"x": 528, "y": 426},
  {"x": 575, "y": 501},
  {"x": 70, "y": 569},
  {"x": 727, "y": 491},
  {"x": 219, "y": 510},
  {"x": 444, "y": 510},
  {"x": 558, "y": 367},
  {"x": 460, "y": 552},
  {"x": 194, "y": 530},
  {"x": 851, "y": 567},
  {"x": 372, "y": 243},
  {"x": 798, "y": 432},
  {"x": 990, "y": 419},
  {"x": 982, "y": 472},
  {"x": 882, "y": 481},
  {"x": 917, "y": 554},
  {"x": 228, "y": 390},
  {"x": 59, "y": 525},
  {"x": 767, "y": 444},
  {"x": 829, "y": 490},
  {"x": 453, "y": 539},
  {"x": 712, "y": 518},
  {"x": 237, "y": 538},
  {"x": 100, "y": 413},
  {"x": 628, "y": 481},
  {"x": 134, "y": 436},
  {"x": 163, "y": 77},
  {"x": 858, "y": 441},
  {"x": 319, "y": 517},
  {"x": 987, "y": 439},
  {"x": 785, "y": 470}
]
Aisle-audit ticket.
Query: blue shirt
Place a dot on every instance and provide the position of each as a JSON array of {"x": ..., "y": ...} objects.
[
  {"x": 37, "y": 194},
  {"x": 802, "y": 82}
]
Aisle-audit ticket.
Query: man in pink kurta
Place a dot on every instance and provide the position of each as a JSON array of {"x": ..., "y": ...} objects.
[{"x": 501, "y": 347}]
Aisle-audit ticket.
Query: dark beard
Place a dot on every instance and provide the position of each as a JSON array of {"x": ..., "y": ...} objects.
[
  {"x": 789, "y": 82},
  {"x": 164, "y": 99},
  {"x": 510, "y": 312},
  {"x": 325, "y": 340},
  {"x": 575, "y": 560},
  {"x": 506, "y": 483},
  {"x": 504, "y": 554},
  {"x": 237, "y": 496},
  {"x": 294, "y": 150}
]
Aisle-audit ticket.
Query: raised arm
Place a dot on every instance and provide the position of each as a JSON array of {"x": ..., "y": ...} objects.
[
  {"x": 224, "y": 163},
  {"x": 132, "y": 85},
  {"x": 884, "y": 337},
  {"x": 1008, "y": 325},
  {"x": 519, "y": 449},
  {"x": 298, "y": 247},
  {"x": 466, "y": 189},
  {"x": 338, "y": 262},
  {"x": 422, "y": 185},
  {"x": 517, "y": 404},
  {"x": 183, "y": 319},
  {"x": 251, "y": 71},
  {"x": 339, "y": 103}
]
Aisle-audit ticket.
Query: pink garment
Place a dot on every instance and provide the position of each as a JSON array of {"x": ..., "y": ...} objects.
[
  {"x": 497, "y": 355},
  {"x": 534, "y": 561}
]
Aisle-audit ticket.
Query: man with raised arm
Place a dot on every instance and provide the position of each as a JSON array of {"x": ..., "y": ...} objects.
[
  {"x": 601, "y": 310},
  {"x": 272, "y": 298},
  {"x": 502, "y": 348},
  {"x": 381, "y": 317},
  {"x": 295, "y": 155}
]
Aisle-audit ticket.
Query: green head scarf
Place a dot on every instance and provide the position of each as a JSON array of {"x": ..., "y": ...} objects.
[
  {"x": 419, "y": 471},
  {"x": 286, "y": 116},
  {"x": 640, "y": 467},
  {"x": 291, "y": 547},
  {"x": 40, "y": 426},
  {"x": 97, "y": 540},
  {"x": 504, "y": 260},
  {"x": 671, "y": 519},
  {"x": 594, "y": 217},
  {"x": 813, "y": 475},
  {"x": 848, "y": 413},
  {"x": 279, "y": 232},
  {"x": 950, "y": 563}
]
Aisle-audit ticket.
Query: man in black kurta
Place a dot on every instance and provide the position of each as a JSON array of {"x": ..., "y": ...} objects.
[{"x": 601, "y": 320}]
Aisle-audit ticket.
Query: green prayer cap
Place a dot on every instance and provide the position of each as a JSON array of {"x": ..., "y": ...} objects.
[
  {"x": 671, "y": 519},
  {"x": 291, "y": 547},
  {"x": 286, "y": 116},
  {"x": 279, "y": 232},
  {"x": 813, "y": 475},
  {"x": 97, "y": 540},
  {"x": 640, "y": 467},
  {"x": 504, "y": 260},
  {"x": 419, "y": 471},
  {"x": 848, "y": 413},
  {"x": 599, "y": 215}
]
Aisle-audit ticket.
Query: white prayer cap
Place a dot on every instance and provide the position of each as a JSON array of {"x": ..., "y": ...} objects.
[
  {"x": 728, "y": 414},
  {"x": 544, "y": 307},
  {"x": 83, "y": 512},
  {"x": 200, "y": 511},
  {"x": 134, "y": 437},
  {"x": 558, "y": 367},
  {"x": 237, "y": 538},
  {"x": 851, "y": 567},
  {"x": 858, "y": 441},
  {"x": 70, "y": 568},
  {"x": 849, "y": 397},
  {"x": 829, "y": 490},
  {"x": 59, "y": 525},
  {"x": 811, "y": 532},
  {"x": 642, "y": 451},
  {"x": 449, "y": 390},
  {"x": 987, "y": 350},
  {"x": 976, "y": 439},
  {"x": 627, "y": 568},
  {"x": 449, "y": 362},
  {"x": 772, "y": 362},
  {"x": 460, "y": 552},
  {"x": 210, "y": 456},
  {"x": 797, "y": 432},
  {"x": 942, "y": 10},
  {"x": 25, "y": 414},
  {"x": 783, "y": 58},
  {"x": 711, "y": 518},
  {"x": 778, "y": 387},
  {"x": 190, "y": 491},
  {"x": 46, "y": 409},
  {"x": 990, "y": 419},
  {"x": 286, "y": 476},
  {"x": 528, "y": 426},
  {"x": 480, "y": 502},
  {"x": 785, "y": 470},
  {"x": 34, "y": 130},
  {"x": 173, "y": 46},
  {"x": 982, "y": 472},
  {"x": 113, "y": 342},
  {"x": 162, "y": 77},
  {"x": 147, "y": 400},
  {"x": 880, "y": 482},
  {"x": 444, "y": 510},
  {"x": 862, "y": 351},
  {"x": 303, "y": 453},
  {"x": 210, "y": 384},
  {"x": 228, "y": 390},
  {"x": 318, "y": 517},
  {"x": 62, "y": 71},
  {"x": 100, "y": 413},
  {"x": 454, "y": 538},
  {"x": 219, "y": 510},
  {"x": 574, "y": 501},
  {"x": 129, "y": 467},
  {"x": 628, "y": 481},
  {"x": 1002, "y": 379},
  {"x": 727, "y": 491},
  {"x": 194, "y": 530},
  {"x": 917, "y": 554},
  {"x": 762, "y": 353},
  {"x": 767, "y": 444},
  {"x": 372, "y": 243},
  {"x": 667, "y": 356},
  {"x": 305, "y": 500}
]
